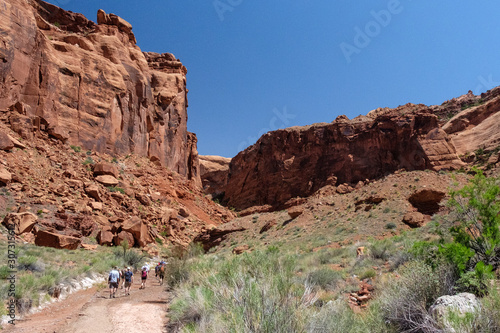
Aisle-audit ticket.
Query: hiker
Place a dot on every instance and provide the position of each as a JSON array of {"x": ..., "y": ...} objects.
[
  {"x": 128, "y": 276},
  {"x": 144, "y": 277},
  {"x": 113, "y": 278},
  {"x": 161, "y": 272},
  {"x": 157, "y": 268},
  {"x": 122, "y": 276}
]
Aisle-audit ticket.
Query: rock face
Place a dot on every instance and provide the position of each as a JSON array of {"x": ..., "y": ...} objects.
[
  {"x": 297, "y": 161},
  {"x": 90, "y": 85},
  {"x": 214, "y": 171}
]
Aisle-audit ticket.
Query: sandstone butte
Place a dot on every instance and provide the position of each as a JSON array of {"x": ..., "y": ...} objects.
[{"x": 90, "y": 85}]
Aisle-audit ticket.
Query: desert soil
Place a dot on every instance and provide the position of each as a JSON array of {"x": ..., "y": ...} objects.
[{"x": 92, "y": 310}]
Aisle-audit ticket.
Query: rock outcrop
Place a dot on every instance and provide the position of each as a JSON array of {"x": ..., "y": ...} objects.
[
  {"x": 298, "y": 161},
  {"x": 214, "y": 171},
  {"x": 90, "y": 85}
]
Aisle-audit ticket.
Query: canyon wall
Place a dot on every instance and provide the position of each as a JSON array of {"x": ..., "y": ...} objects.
[
  {"x": 298, "y": 161},
  {"x": 90, "y": 85}
]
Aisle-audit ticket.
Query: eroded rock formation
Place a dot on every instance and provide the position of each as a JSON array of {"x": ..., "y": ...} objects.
[
  {"x": 90, "y": 85},
  {"x": 298, "y": 161},
  {"x": 214, "y": 171}
]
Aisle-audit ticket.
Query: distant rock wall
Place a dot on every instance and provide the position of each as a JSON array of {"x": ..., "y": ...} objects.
[
  {"x": 298, "y": 161},
  {"x": 214, "y": 171},
  {"x": 90, "y": 85}
]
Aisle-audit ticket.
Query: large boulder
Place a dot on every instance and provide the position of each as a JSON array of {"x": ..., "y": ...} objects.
[
  {"x": 461, "y": 305},
  {"x": 415, "y": 219},
  {"x": 122, "y": 236},
  {"x": 106, "y": 169},
  {"x": 427, "y": 201},
  {"x": 139, "y": 230},
  {"x": 5, "y": 176},
  {"x": 107, "y": 180},
  {"x": 105, "y": 236},
  {"x": 22, "y": 222},
  {"x": 5, "y": 142},
  {"x": 51, "y": 239},
  {"x": 92, "y": 190}
]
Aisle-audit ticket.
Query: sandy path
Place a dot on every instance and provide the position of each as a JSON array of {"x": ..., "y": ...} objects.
[{"x": 91, "y": 311}]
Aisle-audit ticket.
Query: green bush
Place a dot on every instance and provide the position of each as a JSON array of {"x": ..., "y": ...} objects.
[
  {"x": 324, "y": 278},
  {"x": 76, "y": 149},
  {"x": 405, "y": 301}
]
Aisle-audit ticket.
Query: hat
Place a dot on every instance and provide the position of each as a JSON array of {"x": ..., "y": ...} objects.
[{"x": 128, "y": 268}]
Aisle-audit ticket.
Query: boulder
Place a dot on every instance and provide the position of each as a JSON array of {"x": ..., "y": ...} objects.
[
  {"x": 427, "y": 201},
  {"x": 295, "y": 211},
  {"x": 124, "y": 235},
  {"x": 415, "y": 219},
  {"x": 143, "y": 199},
  {"x": 106, "y": 169},
  {"x": 50, "y": 239},
  {"x": 138, "y": 229},
  {"x": 344, "y": 189},
  {"x": 5, "y": 176},
  {"x": 5, "y": 142},
  {"x": 183, "y": 212},
  {"x": 95, "y": 205},
  {"x": 240, "y": 249},
  {"x": 105, "y": 237},
  {"x": 22, "y": 222},
  {"x": 268, "y": 226},
  {"x": 460, "y": 304},
  {"x": 92, "y": 191},
  {"x": 107, "y": 180}
]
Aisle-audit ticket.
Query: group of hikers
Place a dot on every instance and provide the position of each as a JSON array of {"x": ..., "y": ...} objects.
[{"x": 125, "y": 277}]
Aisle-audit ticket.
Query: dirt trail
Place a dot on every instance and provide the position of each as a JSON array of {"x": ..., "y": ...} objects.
[{"x": 89, "y": 310}]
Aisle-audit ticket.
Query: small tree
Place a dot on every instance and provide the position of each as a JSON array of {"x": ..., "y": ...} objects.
[
  {"x": 475, "y": 249},
  {"x": 124, "y": 244},
  {"x": 478, "y": 229}
]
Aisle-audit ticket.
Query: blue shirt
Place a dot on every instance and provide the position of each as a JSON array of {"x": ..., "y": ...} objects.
[
  {"x": 114, "y": 276},
  {"x": 128, "y": 276}
]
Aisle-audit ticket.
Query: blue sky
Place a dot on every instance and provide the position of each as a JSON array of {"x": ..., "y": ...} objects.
[{"x": 257, "y": 65}]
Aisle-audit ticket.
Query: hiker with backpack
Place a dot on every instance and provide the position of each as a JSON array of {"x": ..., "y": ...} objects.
[
  {"x": 144, "y": 277},
  {"x": 128, "y": 277},
  {"x": 113, "y": 279},
  {"x": 122, "y": 276}
]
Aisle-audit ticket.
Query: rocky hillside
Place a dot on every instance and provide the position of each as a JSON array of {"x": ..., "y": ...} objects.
[
  {"x": 298, "y": 161},
  {"x": 90, "y": 85},
  {"x": 94, "y": 147}
]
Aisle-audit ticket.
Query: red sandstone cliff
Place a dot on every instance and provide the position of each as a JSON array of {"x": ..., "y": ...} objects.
[
  {"x": 90, "y": 85},
  {"x": 298, "y": 161}
]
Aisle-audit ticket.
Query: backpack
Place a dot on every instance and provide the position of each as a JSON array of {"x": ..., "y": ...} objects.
[{"x": 144, "y": 273}]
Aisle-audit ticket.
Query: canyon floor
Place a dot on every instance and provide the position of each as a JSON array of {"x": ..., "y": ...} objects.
[{"x": 142, "y": 311}]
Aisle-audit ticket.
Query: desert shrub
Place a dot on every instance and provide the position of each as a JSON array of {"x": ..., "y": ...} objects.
[
  {"x": 337, "y": 317},
  {"x": 324, "y": 278},
  {"x": 30, "y": 263},
  {"x": 133, "y": 258},
  {"x": 405, "y": 301},
  {"x": 76, "y": 149},
  {"x": 253, "y": 292},
  {"x": 381, "y": 249},
  {"x": 177, "y": 272},
  {"x": 390, "y": 225},
  {"x": 475, "y": 249}
]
